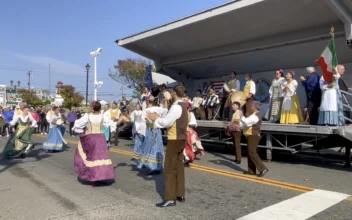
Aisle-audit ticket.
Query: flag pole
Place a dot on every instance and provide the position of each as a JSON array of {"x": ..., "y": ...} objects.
[{"x": 332, "y": 31}]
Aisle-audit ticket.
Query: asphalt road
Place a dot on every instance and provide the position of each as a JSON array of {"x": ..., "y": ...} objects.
[{"x": 45, "y": 186}]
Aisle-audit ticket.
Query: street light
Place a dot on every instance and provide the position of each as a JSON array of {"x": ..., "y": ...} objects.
[
  {"x": 97, "y": 84},
  {"x": 15, "y": 86},
  {"x": 87, "y": 68}
]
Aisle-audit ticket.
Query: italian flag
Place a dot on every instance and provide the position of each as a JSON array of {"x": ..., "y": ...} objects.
[{"x": 328, "y": 61}]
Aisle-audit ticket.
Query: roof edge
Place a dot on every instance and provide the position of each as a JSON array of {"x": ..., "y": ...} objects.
[{"x": 130, "y": 39}]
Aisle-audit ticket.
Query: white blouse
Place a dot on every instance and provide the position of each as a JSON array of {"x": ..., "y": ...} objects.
[
  {"x": 292, "y": 87},
  {"x": 193, "y": 120},
  {"x": 51, "y": 117},
  {"x": 81, "y": 123},
  {"x": 23, "y": 119},
  {"x": 136, "y": 118}
]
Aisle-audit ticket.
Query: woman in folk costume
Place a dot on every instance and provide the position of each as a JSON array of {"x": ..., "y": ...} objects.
[
  {"x": 114, "y": 115},
  {"x": 19, "y": 143},
  {"x": 234, "y": 129},
  {"x": 55, "y": 140},
  {"x": 331, "y": 108},
  {"x": 152, "y": 157},
  {"x": 193, "y": 145},
  {"x": 138, "y": 132},
  {"x": 291, "y": 110},
  {"x": 249, "y": 92},
  {"x": 106, "y": 126},
  {"x": 92, "y": 162},
  {"x": 144, "y": 98},
  {"x": 276, "y": 94}
]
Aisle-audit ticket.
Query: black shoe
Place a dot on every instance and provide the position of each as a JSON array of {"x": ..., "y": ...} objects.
[
  {"x": 166, "y": 203},
  {"x": 248, "y": 173},
  {"x": 261, "y": 174},
  {"x": 181, "y": 199}
]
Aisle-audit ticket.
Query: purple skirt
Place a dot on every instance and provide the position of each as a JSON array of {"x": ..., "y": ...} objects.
[{"x": 92, "y": 162}]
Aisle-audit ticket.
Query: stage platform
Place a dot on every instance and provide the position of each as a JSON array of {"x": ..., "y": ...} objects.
[{"x": 292, "y": 138}]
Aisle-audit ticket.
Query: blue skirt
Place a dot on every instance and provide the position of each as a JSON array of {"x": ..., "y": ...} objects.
[
  {"x": 106, "y": 132},
  {"x": 138, "y": 148},
  {"x": 152, "y": 151},
  {"x": 55, "y": 140}
]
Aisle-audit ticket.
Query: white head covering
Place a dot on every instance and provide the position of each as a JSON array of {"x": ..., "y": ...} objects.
[{"x": 102, "y": 102}]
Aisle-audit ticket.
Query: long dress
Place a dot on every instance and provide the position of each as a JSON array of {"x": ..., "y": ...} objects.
[
  {"x": 276, "y": 94},
  {"x": 55, "y": 140},
  {"x": 152, "y": 149},
  {"x": 139, "y": 126},
  {"x": 291, "y": 109},
  {"x": 331, "y": 108},
  {"x": 20, "y": 142},
  {"x": 193, "y": 145},
  {"x": 91, "y": 161}
]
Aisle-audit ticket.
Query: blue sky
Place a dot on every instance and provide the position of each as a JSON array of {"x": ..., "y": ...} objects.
[{"x": 63, "y": 33}]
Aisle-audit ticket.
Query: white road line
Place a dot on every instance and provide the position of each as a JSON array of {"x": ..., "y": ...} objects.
[{"x": 300, "y": 207}]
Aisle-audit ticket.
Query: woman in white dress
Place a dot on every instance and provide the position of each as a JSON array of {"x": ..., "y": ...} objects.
[
  {"x": 55, "y": 140},
  {"x": 291, "y": 109},
  {"x": 144, "y": 98},
  {"x": 276, "y": 93},
  {"x": 138, "y": 130},
  {"x": 331, "y": 108}
]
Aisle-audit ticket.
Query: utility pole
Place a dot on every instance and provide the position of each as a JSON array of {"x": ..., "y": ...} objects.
[{"x": 29, "y": 80}]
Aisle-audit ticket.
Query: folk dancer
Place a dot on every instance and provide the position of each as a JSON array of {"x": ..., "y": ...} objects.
[
  {"x": 138, "y": 132},
  {"x": 152, "y": 149},
  {"x": 313, "y": 93},
  {"x": 115, "y": 115},
  {"x": 251, "y": 131},
  {"x": 249, "y": 92},
  {"x": 106, "y": 127},
  {"x": 331, "y": 108},
  {"x": 18, "y": 112},
  {"x": 174, "y": 174},
  {"x": 228, "y": 88},
  {"x": 210, "y": 103},
  {"x": 91, "y": 160},
  {"x": 291, "y": 109},
  {"x": 143, "y": 98},
  {"x": 193, "y": 145},
  {"x": 197, "y": 103},
  {"x": 233, "y": 129},
  {"x": 276, "y": 97},
  {"x": 19, "y": 143},
  {"x": 55, "y": 140}
]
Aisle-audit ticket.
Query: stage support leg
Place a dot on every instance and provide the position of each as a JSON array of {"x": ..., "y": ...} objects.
[
  {"x": 348, "y": 157},
  {"x": 269, "y": 155}
]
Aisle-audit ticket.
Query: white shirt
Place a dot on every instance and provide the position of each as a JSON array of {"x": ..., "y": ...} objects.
[
  {"x": 23, "y": 119},
  {"x": 193, "y": 120},
  {"x": 81, "y": 123},
  {"x": 174, "y": 113},
  {"x": 197, "y": 101},
  {"x": 50, "y": 118},
  {"x": 139, "y": 122},
  {"x": 250, "y": 120},
  {"x": 252, "y": 88}
]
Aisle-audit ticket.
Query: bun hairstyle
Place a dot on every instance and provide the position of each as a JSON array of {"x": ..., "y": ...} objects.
[
  {"x": 96, "y": 106},
  {"x": 292, "y": 73}
]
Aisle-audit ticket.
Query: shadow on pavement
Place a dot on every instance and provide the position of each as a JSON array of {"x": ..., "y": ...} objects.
[{"x": 35, "y": 153}]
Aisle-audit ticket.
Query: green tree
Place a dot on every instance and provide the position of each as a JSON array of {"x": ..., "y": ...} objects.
[
  {"x": 29, "y": 97},
  {"x": 71, "y": 98},
  {"x": 130, "y": 72}
]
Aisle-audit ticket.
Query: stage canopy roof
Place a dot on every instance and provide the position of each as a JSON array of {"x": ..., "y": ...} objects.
[{"x": 246, "y": 36}]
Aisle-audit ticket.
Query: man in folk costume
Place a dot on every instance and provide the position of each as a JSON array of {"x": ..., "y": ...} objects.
[
  {"x": 233, "y": 129},
  {"x": 249, "y": 92},
  {"x": 211, "y": 102},
  {"x": 206, "y": 89},
  {"x": 251, "y": 131},
  {"x": 197, "y": 103},
  {"x": 313, "y": 93},
  {"x": 176, "y": 123},
  {"x": 115, "y": 115},
  {"x": 228, "y": 88}
]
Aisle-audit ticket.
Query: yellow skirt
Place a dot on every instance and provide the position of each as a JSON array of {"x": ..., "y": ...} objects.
[{"x": 294, "y": 115}]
